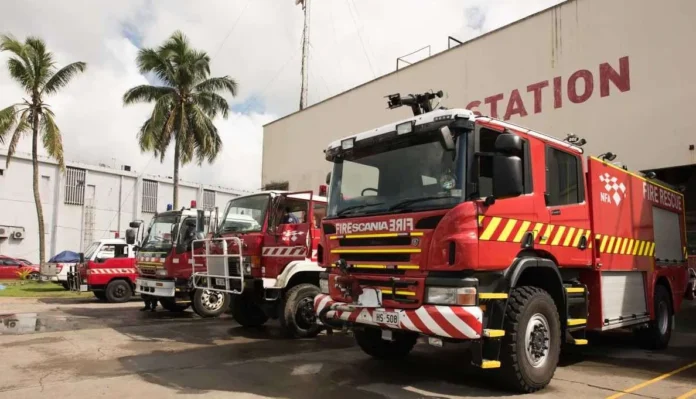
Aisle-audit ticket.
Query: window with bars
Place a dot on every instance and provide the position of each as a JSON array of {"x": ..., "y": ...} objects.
[
  {"x": 208, "y": 199},
  {"x": 149, "y": 196},
  {"x": 75, "y": 186}
]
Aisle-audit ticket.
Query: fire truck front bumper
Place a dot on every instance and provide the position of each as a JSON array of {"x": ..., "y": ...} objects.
[
  {"x": 452, "y": 322},
  {"x": 161, "y": 288}
]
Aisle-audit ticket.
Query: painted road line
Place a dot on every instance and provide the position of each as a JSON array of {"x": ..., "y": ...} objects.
[
  {"x": 654, "y": 380},
  {"x": 690, "y": 394}
]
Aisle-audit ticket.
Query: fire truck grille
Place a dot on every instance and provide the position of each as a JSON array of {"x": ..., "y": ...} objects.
[
  {"x": 147, "y": 270},
  {"x": 233, "y": 266},
  {"x": 378, "y": 257},
  {"x": 374, "y": 242}
]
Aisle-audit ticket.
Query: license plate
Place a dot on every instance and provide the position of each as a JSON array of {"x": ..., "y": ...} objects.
[
  {"x": 220, "y": 281},
  {"x": 388, "y": 318}
]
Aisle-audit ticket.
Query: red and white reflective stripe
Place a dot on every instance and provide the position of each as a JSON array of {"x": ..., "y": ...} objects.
[
  {"x": 150, "y": 259},
  {"x": 459, "y": 322},
  {"x": 113, "y": 271},
  {"x": 284, "y": 251}
]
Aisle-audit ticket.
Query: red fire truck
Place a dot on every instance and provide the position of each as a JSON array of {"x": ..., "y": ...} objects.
[
  {"x": 164, "y": 261},
  {"x": 107, "y": 269},
  {"x": 268, "y": 266},
  {"x": 465, "y": 228}
]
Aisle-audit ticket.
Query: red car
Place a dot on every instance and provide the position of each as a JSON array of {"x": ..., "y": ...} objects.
[{"x": 10, "y": 268}]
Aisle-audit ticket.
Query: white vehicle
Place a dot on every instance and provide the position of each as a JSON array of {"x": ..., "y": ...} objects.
[{"x": 58, "y": 272}]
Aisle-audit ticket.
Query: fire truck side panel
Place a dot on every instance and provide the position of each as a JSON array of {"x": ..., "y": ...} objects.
[
  {"x": 287, "y": 244},
  {"x": 101, "y": 273},
  {"x": 627, "y": 214}
]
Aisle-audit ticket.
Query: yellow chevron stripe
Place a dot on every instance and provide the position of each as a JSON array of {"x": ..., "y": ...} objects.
[
  {"x": 537, "y": 229},
  {"x": 630, "y": 246},
  {"x": 640, "y": 250},
  {"x": 611, "y": 244},
  {"x": 520, "y": 233},
  {"x": 569, "y": 236},
  {"x": 490, "y": 229},
  {"x": 507, "y": 230},
  {"x": 619, "y": 240},
  {"x": 559, "y": 235},
  {"x": 652, "y": 249},
  {"x": 480, "y": 220},
  {"x": 588, "y": 234},
  {"x": 623, "y": 246},
  {"x": 576, "y": 241},
  {"x": 635, "y": 249},
  {"x": 547, "y": 234},
  {"x": 604, "y": 244}
]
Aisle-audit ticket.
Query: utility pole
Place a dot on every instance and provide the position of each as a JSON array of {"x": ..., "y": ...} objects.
[{"x": 305, "y": 52}]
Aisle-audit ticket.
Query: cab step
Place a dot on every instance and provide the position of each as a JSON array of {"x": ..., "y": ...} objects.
[
  {"x": 491, "y": 333},
  {"x": 579, "y": 342},
  {"x": 489, "y": 364},
  {"x": 576, "y": 322},
  {"x": 493, "y": 295}
]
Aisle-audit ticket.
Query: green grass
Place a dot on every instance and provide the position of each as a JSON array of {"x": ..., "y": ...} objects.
[{"x": 34, "y": 289}]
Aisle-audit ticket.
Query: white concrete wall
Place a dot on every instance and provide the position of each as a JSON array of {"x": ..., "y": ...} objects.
[
  {"x": 117, "y": 198},
  {"x": 618, "y": 73}
]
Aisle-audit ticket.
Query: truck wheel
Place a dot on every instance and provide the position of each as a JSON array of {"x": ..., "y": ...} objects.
[
  {"x": 118, "y": 291},
  {"x": 246, "y": 312},
  {"x": 532, "y": 341},
  {"x": 171, "y": 305},
  {"x": 208, "y": 303},
  {"x": 371, "y": 342},
  {"x": 659, "y": 331},
  {"x": 101, "y": 295},
  {"x": 297, "y": 317}
]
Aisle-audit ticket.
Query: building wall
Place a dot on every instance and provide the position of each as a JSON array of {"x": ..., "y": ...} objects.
[
  {"x": 116, "y": 201},
  {"x": 604, "y": 70}
]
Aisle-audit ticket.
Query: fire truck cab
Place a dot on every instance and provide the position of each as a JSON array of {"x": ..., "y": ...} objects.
[
  {"x": 457, "y": 227},
  {"x": 164, "y": 261},
  {"x": 264, "y": 255}
]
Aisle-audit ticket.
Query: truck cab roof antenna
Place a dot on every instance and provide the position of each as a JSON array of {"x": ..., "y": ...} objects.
[{"x": 419, "y": 103}]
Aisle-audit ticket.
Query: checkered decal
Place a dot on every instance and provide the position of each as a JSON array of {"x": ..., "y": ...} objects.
[{"x": 616, "y": 190}]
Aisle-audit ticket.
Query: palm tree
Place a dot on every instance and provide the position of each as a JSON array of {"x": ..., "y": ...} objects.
[
  {"x": 32, "y": 66},
  {"x": 185, "y": 104}
]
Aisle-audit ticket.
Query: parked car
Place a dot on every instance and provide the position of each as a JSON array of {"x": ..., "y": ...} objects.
[
  {"x": 56, "y": 269},
  {"x": 11, "y": 268}
]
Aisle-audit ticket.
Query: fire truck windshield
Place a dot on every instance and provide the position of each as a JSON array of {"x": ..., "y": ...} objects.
[
  {"x": 245, "y": 214},
  {"x": 91, "y": 250},
  {"x": 404, "y": 176},
  {"x": 159, "y": 235}
]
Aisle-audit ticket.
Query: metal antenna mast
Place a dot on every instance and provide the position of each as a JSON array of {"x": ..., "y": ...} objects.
[{"x": 305, "y": 52}]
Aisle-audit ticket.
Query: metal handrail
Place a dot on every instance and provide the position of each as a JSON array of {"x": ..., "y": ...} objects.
[{"x": 225, "y": 255}]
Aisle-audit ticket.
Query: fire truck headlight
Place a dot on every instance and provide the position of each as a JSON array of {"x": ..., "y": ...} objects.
[
  {"x": 348, "y": 143},
  {"x": 247, "y": 269},
  {"x": 465, "y": 296},
  {"x": 161, "y": 273},
  {"x": 324, "y": 285}
]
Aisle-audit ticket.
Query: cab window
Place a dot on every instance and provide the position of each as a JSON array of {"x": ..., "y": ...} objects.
[{"x": 564, "y": 183}]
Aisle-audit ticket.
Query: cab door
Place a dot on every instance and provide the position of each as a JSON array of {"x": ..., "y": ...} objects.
[
  {"x": 566, "y": 233},
  {"x": 285, "y": 242}
]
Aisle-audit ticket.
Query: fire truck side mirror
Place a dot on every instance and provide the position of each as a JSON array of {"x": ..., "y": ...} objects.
[
  {"x": 509, "y": 144},
  {"x": 130, "y": 236},
  {"x": 507, "y": 176}
]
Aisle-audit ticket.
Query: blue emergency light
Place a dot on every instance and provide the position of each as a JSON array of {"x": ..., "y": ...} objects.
[{"x": 170, "y": 207}]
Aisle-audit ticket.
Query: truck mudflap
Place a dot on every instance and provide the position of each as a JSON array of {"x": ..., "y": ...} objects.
[{"x": 455, "y": 322}]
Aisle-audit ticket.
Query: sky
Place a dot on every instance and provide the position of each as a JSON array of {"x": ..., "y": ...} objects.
[{"x": 256, "y": 42}]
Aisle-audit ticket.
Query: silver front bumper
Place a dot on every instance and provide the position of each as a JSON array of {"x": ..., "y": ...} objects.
[{"x": 154, "y": 287}]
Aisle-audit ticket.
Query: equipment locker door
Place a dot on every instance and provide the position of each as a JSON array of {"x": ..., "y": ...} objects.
[{"x": 566, "y": 232}]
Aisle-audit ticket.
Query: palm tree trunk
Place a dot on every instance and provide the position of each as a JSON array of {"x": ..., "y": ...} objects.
[
  {"x": 176, "y": 173},
  {"x": 37, "y": 194}
]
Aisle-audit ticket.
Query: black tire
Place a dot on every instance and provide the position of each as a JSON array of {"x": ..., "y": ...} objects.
[
  {"x": 118, "y": 291},
  {"x": 371, "y": 342},
  {"x": 530, "y": 308},
  {"x": 246, "y": 312},
  {"x": 171, "y": 305},
  {"x": 297, "y": 317},
  {"x": 659, "y": 331},
  {"x": 65, "y": 285},
  {"x": 101, "y": 295},
  {"x": 34, "y": 276},
  {"x": 209, "y": 303}
]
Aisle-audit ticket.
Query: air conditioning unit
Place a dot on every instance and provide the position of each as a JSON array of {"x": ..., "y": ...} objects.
[
  {"x": 4, "y": 232},
  {"x": 18, "y": 235}
]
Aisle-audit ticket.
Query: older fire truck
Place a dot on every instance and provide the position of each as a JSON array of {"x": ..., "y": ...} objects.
[
  {"x": 164, "y": 261},
  {"x": 268, "y": 266},
  {"x": 459, "y": 228}
]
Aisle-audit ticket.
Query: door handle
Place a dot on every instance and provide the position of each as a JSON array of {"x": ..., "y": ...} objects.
[{"x": 555, "y": 212}]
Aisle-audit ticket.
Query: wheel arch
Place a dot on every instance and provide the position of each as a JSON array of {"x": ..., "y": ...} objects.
[
  {"x": 541, "y": 273},
  {"x": 664, "y": 281},
  {"x": 298, "y": 272}
]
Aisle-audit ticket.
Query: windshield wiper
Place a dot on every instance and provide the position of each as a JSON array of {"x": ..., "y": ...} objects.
[
  {"x": 354, "y": 207},
  {"x": 409, "y": 201}
]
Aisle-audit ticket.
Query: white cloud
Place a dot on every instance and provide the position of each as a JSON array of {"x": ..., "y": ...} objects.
[{"x": 262, "y": 53}]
